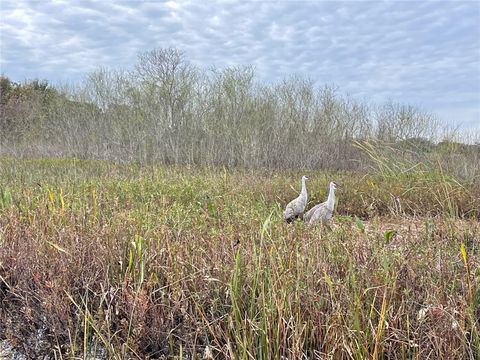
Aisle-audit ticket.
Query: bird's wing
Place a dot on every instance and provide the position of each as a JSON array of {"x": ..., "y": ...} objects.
[
  {"x": 290, "y": 210},
  {"x": 320, "y": 214},
  {"x": 309, "y": 213},
  {"x": 294, "y": 208},
  {"x": 288, "y": 213}
]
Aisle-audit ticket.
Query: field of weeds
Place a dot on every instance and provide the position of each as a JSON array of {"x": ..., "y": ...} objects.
[{"x": 121, "y": 261}]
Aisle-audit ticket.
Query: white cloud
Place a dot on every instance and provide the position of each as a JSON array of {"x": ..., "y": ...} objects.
[{"x": 422, "y": 52}]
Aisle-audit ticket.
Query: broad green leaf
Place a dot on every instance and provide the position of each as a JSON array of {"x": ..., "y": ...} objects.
[
  {"x": 360, "y": 224},
  {"x": 389, "y": 234}
]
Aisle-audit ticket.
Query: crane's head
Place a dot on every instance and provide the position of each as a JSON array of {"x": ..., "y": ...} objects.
[
  {"x": 333, "y": 185},
  {"x": 304, "y": 178}
]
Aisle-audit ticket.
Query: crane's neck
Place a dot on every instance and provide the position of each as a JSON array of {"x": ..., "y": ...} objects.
[
  {"x": 331, "y": 199},
  {"x": 304, "y": 188}
]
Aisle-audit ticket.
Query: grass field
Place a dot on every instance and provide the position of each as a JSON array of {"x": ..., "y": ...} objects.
[{"x": 125, "y": 262}]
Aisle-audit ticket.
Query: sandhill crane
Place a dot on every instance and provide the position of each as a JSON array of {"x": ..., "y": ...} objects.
[
  {"x": 296, "y": 207},
  {"x": 324, "y": 211},
  {"x": 308, "y": 215}
]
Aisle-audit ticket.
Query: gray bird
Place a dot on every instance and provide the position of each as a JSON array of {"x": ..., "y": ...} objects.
[
  {"x": 324, "y": 211},
  {"x": 308, "y": 215},
  {"x": 296, "y": 207}
]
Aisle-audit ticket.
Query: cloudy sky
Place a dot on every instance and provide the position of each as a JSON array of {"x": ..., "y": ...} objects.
[{"x": 426, "y": 53}]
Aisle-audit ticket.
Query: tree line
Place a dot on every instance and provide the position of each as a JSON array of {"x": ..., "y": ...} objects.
[{"x": 166, "y": 110}]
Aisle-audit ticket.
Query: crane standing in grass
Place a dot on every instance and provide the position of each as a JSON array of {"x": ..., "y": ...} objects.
[
  {"x": 324, "y": 211},
  {"x": 296, "y": 207}
]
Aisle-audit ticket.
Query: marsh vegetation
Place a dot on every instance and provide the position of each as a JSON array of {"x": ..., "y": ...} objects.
[
  {"x": 142, "y": 262},
  {"x": 141, "y": 217}
]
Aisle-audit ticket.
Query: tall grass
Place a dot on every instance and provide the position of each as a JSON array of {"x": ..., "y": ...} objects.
[
  {"x": 132, "y": 262},
  {"x": 422, "y": 173}
]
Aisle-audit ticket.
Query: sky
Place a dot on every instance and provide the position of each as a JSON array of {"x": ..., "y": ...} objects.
[{"x": 423, "y": 53}]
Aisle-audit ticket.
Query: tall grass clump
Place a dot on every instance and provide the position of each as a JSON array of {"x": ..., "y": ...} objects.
[{"x": 425, "y": 175}]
